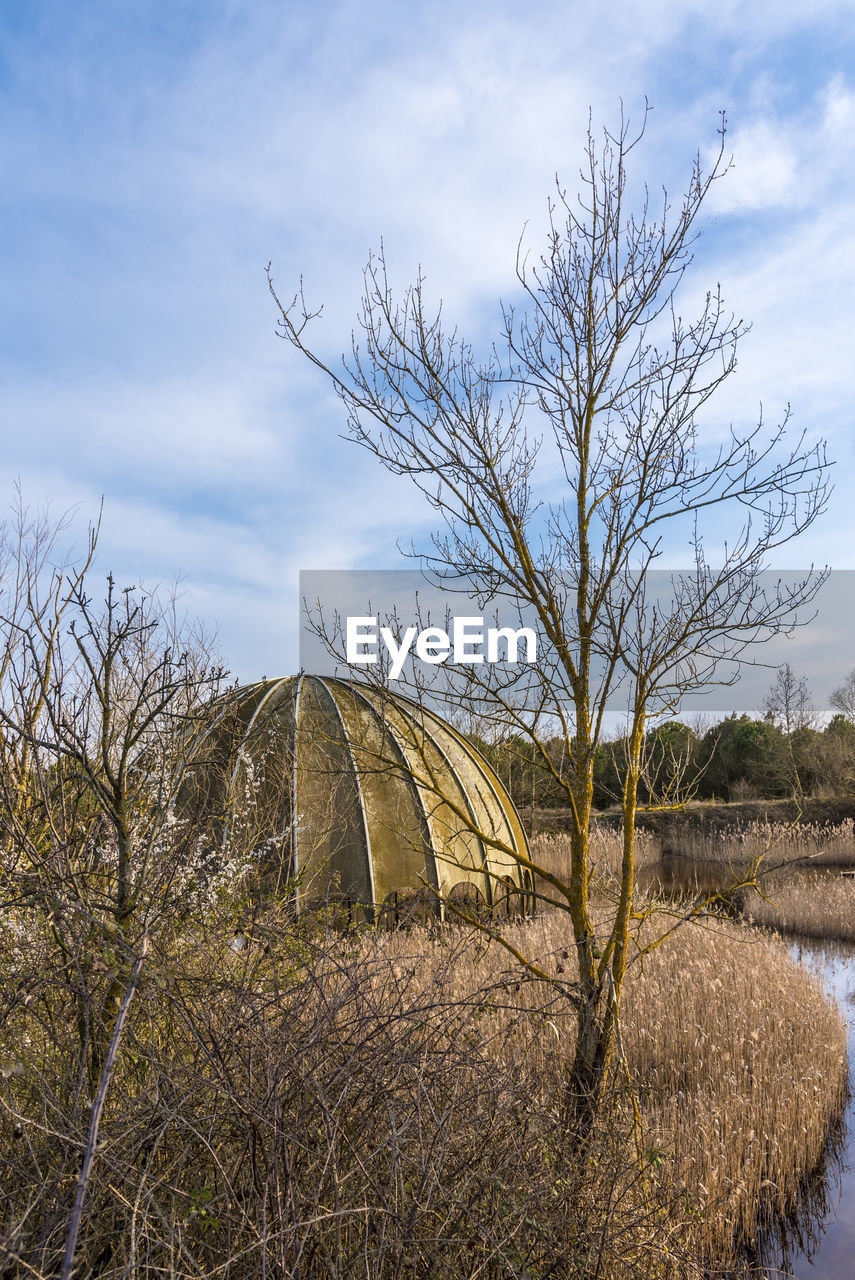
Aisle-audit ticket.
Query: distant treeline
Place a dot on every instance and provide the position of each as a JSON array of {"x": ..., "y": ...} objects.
[{"x": 737, "y": 759}]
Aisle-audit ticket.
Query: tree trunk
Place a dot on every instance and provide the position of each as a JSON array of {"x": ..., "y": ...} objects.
[
  {"x": 602, "y": 974},
  {"x": 587, "y": 1079}
]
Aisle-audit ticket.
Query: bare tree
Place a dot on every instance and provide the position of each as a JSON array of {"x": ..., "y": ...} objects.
[
  {"x": 102, "y": 707},
  {"x": 105, "y": 711},
  {"x": 788, "y": 705},
  {"x": 843, "y": 697},
  {"x": 598, "y": 380}
]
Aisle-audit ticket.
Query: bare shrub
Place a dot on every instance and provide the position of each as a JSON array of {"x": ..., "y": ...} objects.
[{"x": 319, "y": 1104}]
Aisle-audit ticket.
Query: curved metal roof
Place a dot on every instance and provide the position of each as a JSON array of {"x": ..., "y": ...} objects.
[{"x": 370, "y": 795}]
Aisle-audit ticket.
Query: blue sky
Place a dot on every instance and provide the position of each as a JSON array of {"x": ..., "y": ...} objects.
[{"x": 156, "y": 156}]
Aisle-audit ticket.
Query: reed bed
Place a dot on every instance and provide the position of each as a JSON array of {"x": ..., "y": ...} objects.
[
  {"x": 739, "y": 1056},
  {"x": 605, "y": 852},
  {"x": 811, "y": 903},
  {"x": 745, "y": 1060},
  {"x": 810, "y": 844}
]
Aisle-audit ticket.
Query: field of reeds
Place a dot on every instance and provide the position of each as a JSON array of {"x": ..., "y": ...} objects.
[
  {"x": 740, "y": 1062},
  {"x": 807, "y": 844},
  {"x": 605, "y": 847},
  {"x": 319, "y": 1104},
  {"x": 812, "y": 903},
  {"x": 801, "y": 888},
  {"x": 741, "y": 1054}
]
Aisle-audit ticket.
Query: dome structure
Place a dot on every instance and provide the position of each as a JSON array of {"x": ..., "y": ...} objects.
[{"x": 365, "y": 796}]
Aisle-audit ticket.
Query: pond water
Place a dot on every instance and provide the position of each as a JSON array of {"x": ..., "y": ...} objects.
[
  {"x": 828, "y": 1251},
  {"x": 820, "y": 1243}
]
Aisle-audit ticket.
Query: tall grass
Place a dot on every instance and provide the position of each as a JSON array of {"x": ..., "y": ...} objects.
[
  {"x": 799, "y": 892},
  {"x": 745, "y": 1059},
  {"x": 739, "y": 1056},
  {"x": 806, "y": 843},
  {"x": 605, "y": 854},
  {"x": 812, "y": 903}
]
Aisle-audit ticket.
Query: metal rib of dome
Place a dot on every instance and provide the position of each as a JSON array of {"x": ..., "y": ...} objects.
[{"x": 370, "y": 796}]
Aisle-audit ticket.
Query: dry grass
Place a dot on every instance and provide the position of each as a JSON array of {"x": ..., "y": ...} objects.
[
  {"x": 809, "y": 844},
  {"x": 552, "y": 852},
  {"x": 811, "y": 903},
  {"x": 799, "y": 892},
  {"x": 739, "y": 1056},
  {"x": 745, "y": 1059}
]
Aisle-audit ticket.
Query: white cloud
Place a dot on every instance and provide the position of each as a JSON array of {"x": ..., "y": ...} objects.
[
  {"x": 152, "y": 191},
  {"x": 764, "y": 171},
  {"x": 798, "y": 162}
]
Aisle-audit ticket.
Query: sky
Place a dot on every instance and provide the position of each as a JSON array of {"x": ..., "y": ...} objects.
[{"x": 156, "y": 157}]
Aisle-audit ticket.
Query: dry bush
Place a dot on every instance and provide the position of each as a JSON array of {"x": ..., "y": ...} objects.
[
  {"x": 318, "y": 1106},
  {"x": 325, "y": 1105},
  {"x": 811, "y": 903}
]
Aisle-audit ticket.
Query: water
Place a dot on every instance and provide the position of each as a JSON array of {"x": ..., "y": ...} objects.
[
  {"x": 820, "y": 1242},
  {"x": 829, "y": 1251}
]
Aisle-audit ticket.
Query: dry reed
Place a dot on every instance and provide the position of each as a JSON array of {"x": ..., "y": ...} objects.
[
  {"x": 811, "y": 844},
  {"x": 739, "y": 1055},
  {"x": 605, "y": 853},
  {"x": 811, "y": 903},
  {"x": 745, "y": 1059}
]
